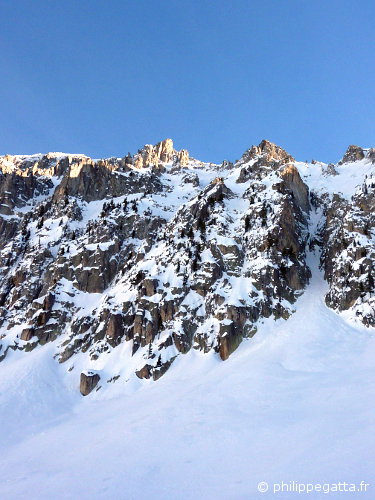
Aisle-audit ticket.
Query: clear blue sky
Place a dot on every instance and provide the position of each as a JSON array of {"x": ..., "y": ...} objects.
[{"x": 105, "y": 77}]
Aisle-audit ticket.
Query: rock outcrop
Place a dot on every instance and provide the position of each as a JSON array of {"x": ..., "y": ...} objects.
[
  {"x": 348, "y": 253},
  {"x": 88, "y": 382},
  {"x": 352, "y": 154},
  {"x": 267, "y": 154},
  {"x": 163, "y": 152}
]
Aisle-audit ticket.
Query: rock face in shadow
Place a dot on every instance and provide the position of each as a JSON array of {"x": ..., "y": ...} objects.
[
  {"x": 348, "y": 253},
  {"x": 88, "y": 382}
]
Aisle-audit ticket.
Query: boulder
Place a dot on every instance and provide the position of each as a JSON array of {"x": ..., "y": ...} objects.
[
  {"x": 89, "y": 380},
  {"x": 144, "y": 372}
]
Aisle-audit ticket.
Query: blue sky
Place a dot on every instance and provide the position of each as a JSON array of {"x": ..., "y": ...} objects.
[{"x": 105, "y": 77}]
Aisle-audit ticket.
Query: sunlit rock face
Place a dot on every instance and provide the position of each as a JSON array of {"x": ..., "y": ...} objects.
[
  {"x": 353, "y": 153},
  {"x": 161, "y": 153},
  {"x": 157, "y": 253}
]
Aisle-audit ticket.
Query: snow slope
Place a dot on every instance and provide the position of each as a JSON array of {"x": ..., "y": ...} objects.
[
  {"x": 295, "y": 402},
  {"x": 348, "y": 176}
]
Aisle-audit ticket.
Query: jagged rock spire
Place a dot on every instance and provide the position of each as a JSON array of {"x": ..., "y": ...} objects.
[
  {"x": 162, "y": 152},
  {"x": 267, "y": 151}
]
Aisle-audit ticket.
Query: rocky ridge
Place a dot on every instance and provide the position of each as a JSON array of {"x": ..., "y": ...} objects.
[{"x": 126, "y": 263}]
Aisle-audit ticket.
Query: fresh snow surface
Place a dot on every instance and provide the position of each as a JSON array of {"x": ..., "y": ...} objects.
[
  {"x": 349, "y": 176},
  {"x": 294, "y": 403}
]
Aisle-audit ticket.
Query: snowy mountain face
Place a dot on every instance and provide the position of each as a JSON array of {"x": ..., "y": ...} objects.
[{"x": 121, "y": 265}]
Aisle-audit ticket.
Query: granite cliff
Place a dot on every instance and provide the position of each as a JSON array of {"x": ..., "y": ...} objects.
[{"x": 157, "y": 253}]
